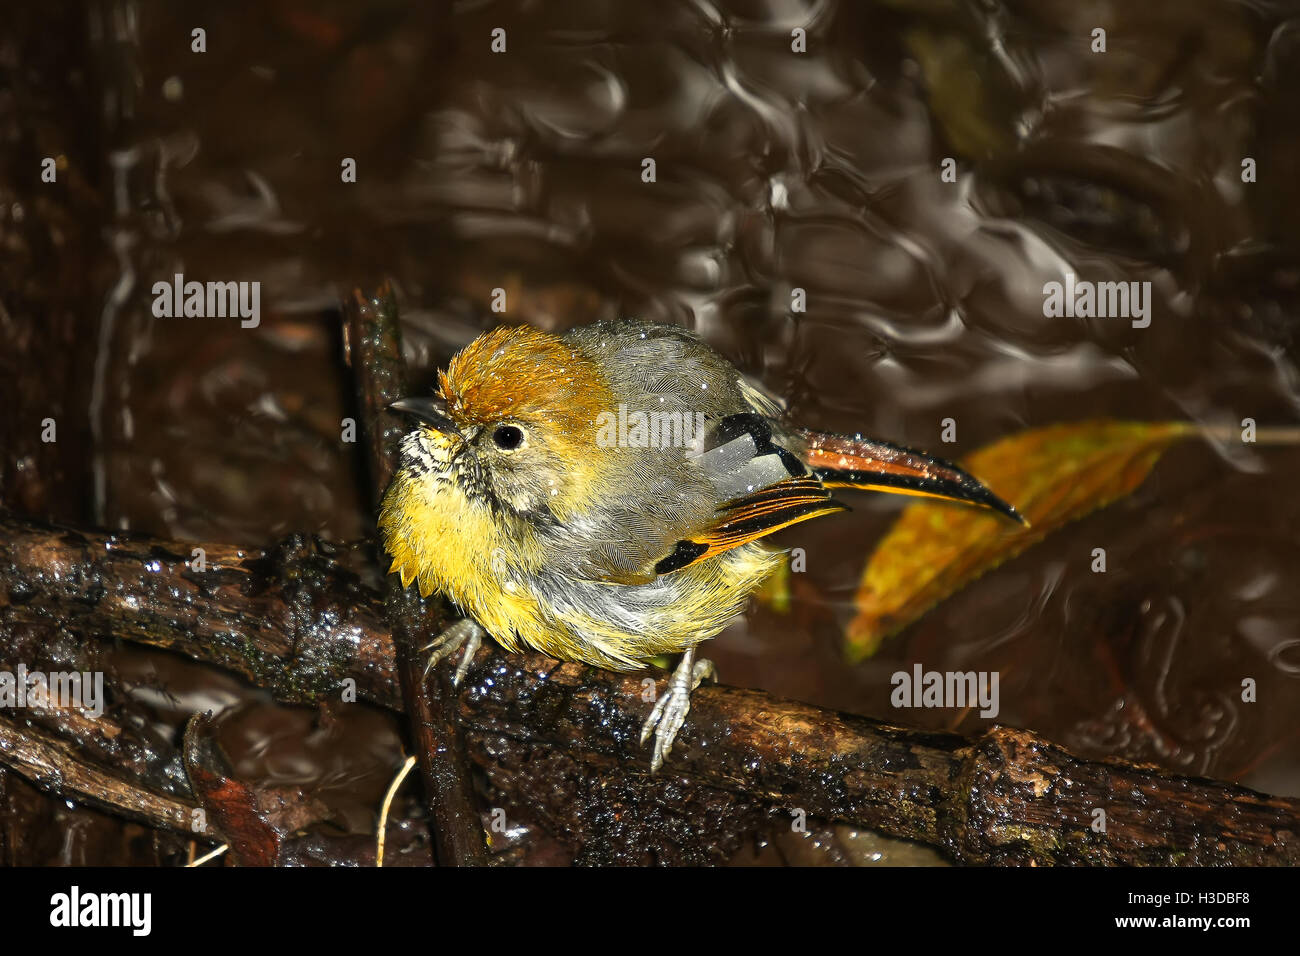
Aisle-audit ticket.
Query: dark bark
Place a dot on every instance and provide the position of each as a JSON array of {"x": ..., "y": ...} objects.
[
  {"x": 300, "y": 625},
  {"x": 60, "y": 767},
  {"x": 289, "y": 619},
  {"x": 374, "y": 349}
]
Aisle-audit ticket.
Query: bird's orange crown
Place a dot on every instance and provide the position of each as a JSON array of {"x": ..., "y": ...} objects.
[{"x": 522, "y": 373}]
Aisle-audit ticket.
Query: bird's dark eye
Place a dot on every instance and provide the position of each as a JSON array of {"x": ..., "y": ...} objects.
[{"x": 508, "y": 437}]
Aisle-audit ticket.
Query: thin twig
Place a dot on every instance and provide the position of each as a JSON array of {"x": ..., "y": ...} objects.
[
  {"x": 407, "y": 764},
  {"x": 374, "y": 348},
  {"x": 210, "y": 855}
]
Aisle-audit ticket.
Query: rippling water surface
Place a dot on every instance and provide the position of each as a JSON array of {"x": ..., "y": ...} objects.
[{"x": 775, "y": 171}]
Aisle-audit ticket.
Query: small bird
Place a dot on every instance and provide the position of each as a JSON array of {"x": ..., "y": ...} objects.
[{"x": 602, "y": 496}]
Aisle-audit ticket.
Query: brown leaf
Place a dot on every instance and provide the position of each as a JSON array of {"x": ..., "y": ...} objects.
[
  {"x": 254, "y": 823},
  {"x": 1052, "y": 476}
]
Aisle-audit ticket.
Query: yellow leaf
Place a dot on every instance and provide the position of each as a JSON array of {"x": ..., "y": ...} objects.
[
  {"x": 774, "y": 593},
  {"x": 1051, "y": 475}
]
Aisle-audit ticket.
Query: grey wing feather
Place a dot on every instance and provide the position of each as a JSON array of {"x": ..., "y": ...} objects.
[
  {"x": 738, "y": 469},
  {"x": 665, "y": 494}
]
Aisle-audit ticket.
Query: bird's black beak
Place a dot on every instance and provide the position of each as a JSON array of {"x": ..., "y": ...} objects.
[{"x": 431, "y": 411}]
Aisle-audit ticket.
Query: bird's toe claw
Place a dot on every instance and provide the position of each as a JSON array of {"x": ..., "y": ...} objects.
[
  {"x": 463, "y": 634},
  {"x": 673, "y": 705}
]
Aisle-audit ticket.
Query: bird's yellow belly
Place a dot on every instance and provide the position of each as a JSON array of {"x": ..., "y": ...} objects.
[{"x": 451, "y": 546}]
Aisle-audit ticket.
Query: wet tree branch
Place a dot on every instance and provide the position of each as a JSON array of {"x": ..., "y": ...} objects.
[
  {"x": 297, "y": 623},
  {"x": 58, "y": 766},
  {"x": 374, "y": 349}
]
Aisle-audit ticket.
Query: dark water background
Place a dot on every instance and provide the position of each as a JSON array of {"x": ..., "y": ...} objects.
[{"x": 775, "y": 170}]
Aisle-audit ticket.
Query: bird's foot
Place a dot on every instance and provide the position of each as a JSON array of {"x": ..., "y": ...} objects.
[
  {"x": 464, "y": 633},
  {"x": 673, "y": 705}
]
